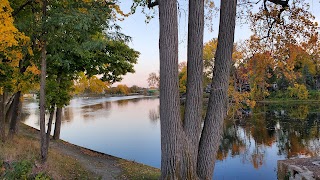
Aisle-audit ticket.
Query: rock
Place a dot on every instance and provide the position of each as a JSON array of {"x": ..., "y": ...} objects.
[{"x": 299, "y": 169}]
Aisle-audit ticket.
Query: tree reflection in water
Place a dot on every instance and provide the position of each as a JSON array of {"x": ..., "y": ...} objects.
[
  {"x": 123, "y": 103},
  {"x": 154, "y": 115},
  {"x": 67, "y": 115},
  {"x": 294, "y": 129}
]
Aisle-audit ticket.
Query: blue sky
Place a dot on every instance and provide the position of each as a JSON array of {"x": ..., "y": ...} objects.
[{"x": 145, "y": 37}]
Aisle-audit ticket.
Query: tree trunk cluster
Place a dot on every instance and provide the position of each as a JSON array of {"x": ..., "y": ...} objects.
[{"x": 188, "y": 151}]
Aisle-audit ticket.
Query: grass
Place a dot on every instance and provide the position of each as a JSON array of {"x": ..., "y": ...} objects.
[
  {"x": 20, "y": 159},
  {"x": 136, "y": 171}
]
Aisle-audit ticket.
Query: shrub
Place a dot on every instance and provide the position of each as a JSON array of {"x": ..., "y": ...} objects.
[
  {"x": 20, "y": 170},
  {"x": 298, "y": 91},
  {"x": 314, "y": 95}
]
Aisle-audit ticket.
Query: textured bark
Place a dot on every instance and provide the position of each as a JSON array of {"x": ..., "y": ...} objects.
[
  {"x": 49, "y": 129},
  {"x": 171, "y": 125},
  {"x": 43, "y": 143},
  {"x": 193, "y": 109},
  {"x": 217, "y": 107},
  {"x": 57, "y": 127},
  {"x": 16, "y": 111},
  {"x": 9, "y": 111},
  {"x": 2, "y": 118}
]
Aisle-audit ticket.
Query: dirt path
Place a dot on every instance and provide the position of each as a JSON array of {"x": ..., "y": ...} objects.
[{"x": 100, "y": 164}]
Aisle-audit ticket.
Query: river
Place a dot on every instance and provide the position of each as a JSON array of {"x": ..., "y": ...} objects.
[{"x": 129, "y": 127}]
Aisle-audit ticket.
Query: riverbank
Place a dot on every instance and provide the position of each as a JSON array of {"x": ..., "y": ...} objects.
[{"x": 20, "y": 158}]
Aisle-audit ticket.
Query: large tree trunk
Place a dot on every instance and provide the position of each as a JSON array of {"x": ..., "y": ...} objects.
[
  {"x": 171, "y": 125},
  {"x": 217, "y": 107},
  {"x": 2, "y": 118},
  {"x": 193, "y": 109},
  {"x": 57, "y": 127},
  {"x": 15, "y": 113},
  {"x": 43, "y": 143}
]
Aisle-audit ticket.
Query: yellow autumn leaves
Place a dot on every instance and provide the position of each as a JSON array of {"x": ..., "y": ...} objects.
[
  {"x": 14, "y": 45},
  {"x": 11, "y": 40}
]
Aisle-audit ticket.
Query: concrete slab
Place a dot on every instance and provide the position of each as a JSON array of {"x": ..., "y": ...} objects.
[{"x": 299, "y": 169}]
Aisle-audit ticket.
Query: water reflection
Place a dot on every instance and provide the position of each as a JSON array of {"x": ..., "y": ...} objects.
[
  {"x": 250, "y": 148},
  {"x": 154, "y": 115},
  {"x": 273, "y": 132},
  {"x": 122, "y": 103},
  {"x": 67, "y": 115},
  {"x": 119, "y": 126}
]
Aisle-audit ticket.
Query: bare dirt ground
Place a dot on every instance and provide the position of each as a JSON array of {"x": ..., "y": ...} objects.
[{"x": 102, "y": 165}]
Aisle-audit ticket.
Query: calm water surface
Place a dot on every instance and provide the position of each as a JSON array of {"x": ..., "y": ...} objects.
[{"x": 128, "y": 127}]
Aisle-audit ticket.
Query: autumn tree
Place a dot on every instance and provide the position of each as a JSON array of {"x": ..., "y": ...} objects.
[
  {"x": 14, "y": 47},
  {"x": 122, "y": 89},
  {"x": 92, "y": 85},
  {"x": 182, "y": 77}
]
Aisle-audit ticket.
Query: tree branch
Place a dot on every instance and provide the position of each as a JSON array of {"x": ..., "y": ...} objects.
[
  {"x": 152, "y": 4},
  {"x": 284, "y": 4},
  {"x": 21, "y": 7}
]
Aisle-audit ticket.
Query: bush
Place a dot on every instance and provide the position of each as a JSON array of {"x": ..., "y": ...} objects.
[
  {"x": 20, "y": 170},
  {"x": 314, "y": 95},
  {"x": 42, "y": 176},
  {"x": 299, "y": 91}
]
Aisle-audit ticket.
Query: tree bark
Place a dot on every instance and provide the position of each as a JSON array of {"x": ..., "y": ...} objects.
[
  {"x": 217, "y": 107},
  {"x": 9, "y": 108},
  {"x": 193, "y": 109},
  {"x": 171, "y": 125},
  {"x": 2, "y": 118},
  {"x": 49, "y": 128},
  {"x": 43, "y": 143},
  {"x": 57, "y": 127},
  {"x": 15, "y": 113}
]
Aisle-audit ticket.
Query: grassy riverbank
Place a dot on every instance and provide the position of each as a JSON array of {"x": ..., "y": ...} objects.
[{"x": 20, "y": 159}]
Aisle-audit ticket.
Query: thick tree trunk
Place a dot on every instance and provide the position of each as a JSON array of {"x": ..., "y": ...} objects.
[
  {"x": 193, "y": 109},
  {"x": 171, "y": 125},
  {"x": 217, "y": 107},
  {"x": 15, "y": 114},
  {"x": 57, "y": 127},
  {"x": 2, "y": 118},
  {"x": 49, "y": 129},
  {"x": 43, "y": 143}
]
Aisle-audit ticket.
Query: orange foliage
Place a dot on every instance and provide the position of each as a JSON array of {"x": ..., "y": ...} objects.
[{"x": 11, "y": 40}]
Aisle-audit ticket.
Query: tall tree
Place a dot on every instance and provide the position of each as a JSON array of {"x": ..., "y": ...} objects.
[
  {"x": 217, "y": 107},
  {"x": 182, "y": 154},
  {"x": 12, "y": 46},
  {"x": 171, "y": 125},
  {"x": 43, "y": 139}
]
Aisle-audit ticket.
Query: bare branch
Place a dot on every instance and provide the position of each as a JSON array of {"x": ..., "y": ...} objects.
[{"x": 284, "y": 4}]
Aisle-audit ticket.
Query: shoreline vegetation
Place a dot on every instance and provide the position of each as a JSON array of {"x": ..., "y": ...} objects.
[{"x": 20, "y": 159}]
